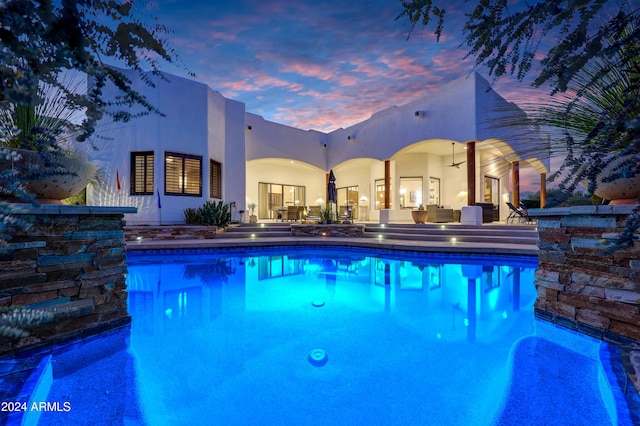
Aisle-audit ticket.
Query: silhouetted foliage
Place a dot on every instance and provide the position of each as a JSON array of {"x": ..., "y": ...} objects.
[{"x": 594, "y": 64}]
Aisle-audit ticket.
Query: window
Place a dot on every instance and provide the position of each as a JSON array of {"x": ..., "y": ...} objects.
[
  {"x": 434, "y": 191},
  {"x": 215, "y": 179},
  {"x": 348, "y": 197},
  {"x": 410, "y": 192},
  {"x": 379, "y": 185},
  {"x": 141, "y": 173},
  {"x": 183, "y": 174}
]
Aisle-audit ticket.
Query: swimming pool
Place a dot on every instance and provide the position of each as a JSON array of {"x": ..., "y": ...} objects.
[{"x": 333, "y": 336}]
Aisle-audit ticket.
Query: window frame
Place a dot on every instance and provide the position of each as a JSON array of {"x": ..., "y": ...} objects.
[
  {"x": 182, "y": 157},
  {"x": 218, "y": 182},
  {"x": 133, "y": 175}
]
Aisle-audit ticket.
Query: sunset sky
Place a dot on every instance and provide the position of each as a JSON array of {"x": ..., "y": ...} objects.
[{"x": 321, "y": 64}]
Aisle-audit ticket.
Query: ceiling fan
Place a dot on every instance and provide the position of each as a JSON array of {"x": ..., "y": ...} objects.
[{"x": 453, "y": 157}]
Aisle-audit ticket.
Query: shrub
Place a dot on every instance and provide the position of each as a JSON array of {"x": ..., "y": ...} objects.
[
  {"x": 327, "y": 215},
  {"x": 214, "y": 213},
  {"x": 191, "y": 216}
]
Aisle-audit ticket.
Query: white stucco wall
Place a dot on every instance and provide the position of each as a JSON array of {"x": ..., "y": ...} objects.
[
  {"x": 200, "y": 121},
  {"x": 195, "y": 122},
  {"x": 267, "y": 139},
  {"x": 448, "y": 114}
]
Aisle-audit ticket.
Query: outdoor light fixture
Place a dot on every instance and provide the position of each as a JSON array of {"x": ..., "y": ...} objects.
[
  {"x": 351, "y": 137},
  {"x": 139, "y": 238},
  {"x": 419, "y": 114},
  {"x": 249, "y": 127}
]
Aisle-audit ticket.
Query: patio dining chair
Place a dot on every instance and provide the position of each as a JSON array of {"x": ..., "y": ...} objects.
[
  {"x": 293, "y": 213},
  {"x": 314, "y": 213}
]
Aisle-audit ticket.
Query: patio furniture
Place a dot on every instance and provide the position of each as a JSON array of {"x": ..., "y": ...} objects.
[
  {"x": 314, "y": 213},
  {"x": 488, "y": 212},
  {"x": 471, "y": 215},
  {"x": 280, "y": 213},
  {"x": 438, "y": 215},
  {"x": 293, "y": 213},
  {"x": 345, "y": 213},
  {"x": 515, "y": 213}
]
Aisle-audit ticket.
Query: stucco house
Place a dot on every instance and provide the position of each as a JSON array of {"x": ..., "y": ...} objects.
[{"x": 445, "y": 149}]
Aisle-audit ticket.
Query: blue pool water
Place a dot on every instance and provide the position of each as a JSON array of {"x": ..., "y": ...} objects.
[{"x": 332, "y": 336}]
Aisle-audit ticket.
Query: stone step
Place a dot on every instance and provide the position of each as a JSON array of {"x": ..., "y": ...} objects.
[
  {"x": 254, "y": 233},
  {"x": 488, "y": 234},
  {"x": 453, "y": 231},
  {"x": 470, "y": 238}
]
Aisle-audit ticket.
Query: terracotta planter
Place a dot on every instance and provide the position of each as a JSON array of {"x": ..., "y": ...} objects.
[
  {"x": 419, "y": 216},
  {"x": 57, "y": 187},
  {"x": 620, "y": 191}
]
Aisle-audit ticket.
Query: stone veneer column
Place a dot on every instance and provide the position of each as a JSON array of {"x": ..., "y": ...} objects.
[
  {"x": 579, "y": 285},
  {"x": 70, "y": 262}
]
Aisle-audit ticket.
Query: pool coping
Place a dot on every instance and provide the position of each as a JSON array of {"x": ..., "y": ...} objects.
[{"x": 371, "y": 243}]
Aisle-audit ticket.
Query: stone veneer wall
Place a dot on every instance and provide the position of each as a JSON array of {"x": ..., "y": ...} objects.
[
  {"x": 579, "y": 285},
  {"x": 332, "y": 230},
  {"x": 72, "y": 263},
  {"x": 170, "y": 232}
]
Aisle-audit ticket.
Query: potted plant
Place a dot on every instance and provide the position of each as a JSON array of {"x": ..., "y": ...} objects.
[
  {"x": 326, "y": 215},
  {"x": 252, "y": 210},
  {"x": 38, "y": 140},
  {"x": 39, "y": 108},
  {"x": 420, "y": 215}
]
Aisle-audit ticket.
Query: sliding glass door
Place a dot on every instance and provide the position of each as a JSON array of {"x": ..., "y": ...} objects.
[
  {"x": 348, "y": 197},
  {"x": 274, "y": 198}
]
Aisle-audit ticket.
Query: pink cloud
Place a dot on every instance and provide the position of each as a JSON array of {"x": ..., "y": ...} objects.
[{"x": 218, "y": 35}]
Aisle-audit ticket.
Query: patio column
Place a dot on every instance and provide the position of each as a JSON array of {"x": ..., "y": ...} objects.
[
  {"x": 387, "y": 184},
  {"x": 543, "y": 190},
  {"x": 326, "y": 185},
  {"x": 515, "y": 183},
  {"x": 471, "y": 173}
]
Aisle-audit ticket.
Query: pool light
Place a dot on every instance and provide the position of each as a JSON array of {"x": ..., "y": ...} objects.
[{"x": 317, "y": 357}]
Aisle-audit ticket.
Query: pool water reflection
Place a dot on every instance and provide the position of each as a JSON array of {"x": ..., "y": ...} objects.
[
  {"x": 335, "y": 336},
  {"x": 406, "y": 337}
]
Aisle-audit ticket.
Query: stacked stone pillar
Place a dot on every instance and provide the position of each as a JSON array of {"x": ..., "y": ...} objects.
[
  {"x": 70, "y": 262},
  {"x": 580, "y": 285}
]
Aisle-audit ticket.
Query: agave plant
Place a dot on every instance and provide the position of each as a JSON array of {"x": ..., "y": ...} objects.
[
  {"x": 16, "y": 321},
  {"x": 49, "y": 122}
]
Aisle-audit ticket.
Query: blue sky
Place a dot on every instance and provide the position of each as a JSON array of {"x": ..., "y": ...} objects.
[{"x": 321, "y": 64}]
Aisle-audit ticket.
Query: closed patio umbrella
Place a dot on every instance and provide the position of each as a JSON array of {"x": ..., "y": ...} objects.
[{"x": 332, "y": 193}]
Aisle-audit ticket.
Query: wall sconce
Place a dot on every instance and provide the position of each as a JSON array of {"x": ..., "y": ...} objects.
[
  {"x": 249, "y": 127},
  {"x": 351, "y": 137},
  {"x": 419, "y": 114}
]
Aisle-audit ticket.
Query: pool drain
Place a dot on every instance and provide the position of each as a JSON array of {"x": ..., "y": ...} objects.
[
  {"x": 317, "y": 303},
  {"x": 317, "y": 357}
]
